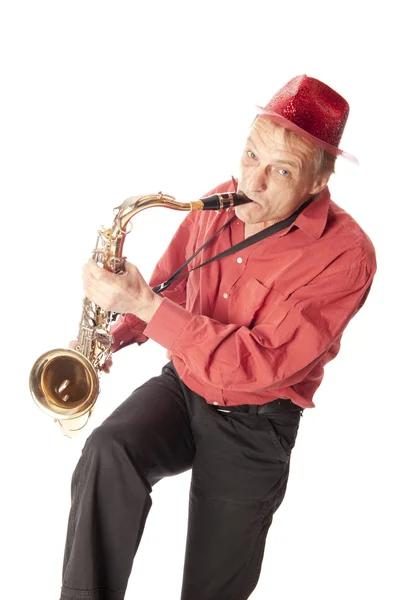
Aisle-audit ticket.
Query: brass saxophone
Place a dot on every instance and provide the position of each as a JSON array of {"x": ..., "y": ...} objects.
[{"x": 65, "y": 383}]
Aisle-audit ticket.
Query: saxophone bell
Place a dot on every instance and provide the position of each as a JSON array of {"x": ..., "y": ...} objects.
[{"x": 65, "y": 385}]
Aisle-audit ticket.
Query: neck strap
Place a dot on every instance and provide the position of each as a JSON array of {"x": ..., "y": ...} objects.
[{"x": 253, "y": 239}]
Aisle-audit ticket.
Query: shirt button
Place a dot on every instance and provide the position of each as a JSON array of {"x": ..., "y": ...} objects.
[
  {"x": 121, "y": 342},
  {"x": 239, "y": 260},
  {"x": 225, "y": 295},
  {"x": 216, "y": 402}
]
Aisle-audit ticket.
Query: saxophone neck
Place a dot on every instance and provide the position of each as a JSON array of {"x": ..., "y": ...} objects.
[
  {"x": 135, "y": 204},
  {"x": 112, "y": 240}
]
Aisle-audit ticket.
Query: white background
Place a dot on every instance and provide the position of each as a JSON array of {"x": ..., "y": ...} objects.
[{"x": 100, "y": 101}]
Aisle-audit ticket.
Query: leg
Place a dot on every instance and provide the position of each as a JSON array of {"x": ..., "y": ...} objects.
[
  {"x": 239, "y": 479},
  {"x": 146, "y": 438}
]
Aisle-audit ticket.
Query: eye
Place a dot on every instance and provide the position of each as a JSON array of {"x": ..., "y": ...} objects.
[
  {"x": 251, "y": 154},
  {"x": 284, "y": 172}
]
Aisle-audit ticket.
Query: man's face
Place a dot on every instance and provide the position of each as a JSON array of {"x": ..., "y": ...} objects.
[{"x": 276, "y": 175}]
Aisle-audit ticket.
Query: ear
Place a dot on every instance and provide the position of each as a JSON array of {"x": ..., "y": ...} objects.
[{"x": 319, "y": 183}]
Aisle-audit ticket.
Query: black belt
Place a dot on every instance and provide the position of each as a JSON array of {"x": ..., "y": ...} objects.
[{"x": 279, "y": 405}]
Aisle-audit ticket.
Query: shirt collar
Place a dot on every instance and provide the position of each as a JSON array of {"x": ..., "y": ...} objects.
[{"x": 313, "y": 218}]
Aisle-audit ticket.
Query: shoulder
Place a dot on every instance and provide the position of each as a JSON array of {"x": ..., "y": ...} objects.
[{"x": 351, "y": 241}]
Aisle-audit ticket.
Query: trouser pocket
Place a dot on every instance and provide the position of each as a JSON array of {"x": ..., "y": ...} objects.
[
  {"x": 283, "y": 429},
  {"x": 242, "y": 458}
]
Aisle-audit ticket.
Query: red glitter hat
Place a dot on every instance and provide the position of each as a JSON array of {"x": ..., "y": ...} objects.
[{"x": 313, "y": 110}]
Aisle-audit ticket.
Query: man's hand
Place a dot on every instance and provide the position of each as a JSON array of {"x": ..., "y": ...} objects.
[
  {"x": 108, "y": 363},
  {"x": 125, "y": 293}
]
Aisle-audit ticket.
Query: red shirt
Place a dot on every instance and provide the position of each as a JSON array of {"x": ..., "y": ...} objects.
[{"x": 262, "y": 323}]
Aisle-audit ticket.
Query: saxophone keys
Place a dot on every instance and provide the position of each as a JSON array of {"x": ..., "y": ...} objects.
[
  {"x": 103, "y": 337},
  {"x": 117, "y": 264}
]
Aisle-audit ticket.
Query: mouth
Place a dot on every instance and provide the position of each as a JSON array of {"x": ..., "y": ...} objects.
[{"x": 247, "y": 197}]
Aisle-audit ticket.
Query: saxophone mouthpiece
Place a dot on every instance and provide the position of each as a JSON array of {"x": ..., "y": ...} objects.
[{"x": 224, "y": 201}]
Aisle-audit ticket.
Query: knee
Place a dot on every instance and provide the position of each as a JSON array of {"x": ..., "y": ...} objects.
[
  {"x": 108, "y": 451},
  {"x": 100, "y": 442},
  {"x": 96, "y": 453}
]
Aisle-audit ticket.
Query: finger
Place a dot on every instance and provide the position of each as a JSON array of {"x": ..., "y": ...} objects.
[
  {"x": 107, "y": 365},
  {"x": 131, "y": 268},
  {"x": 87, "y": 276},
  {"x": 92, "y": 265},
  {"x": 91, "y": 270},
  {"x": 73, "y": 344},
  {"x": 98, "y": 272},
  {"x": 90, "y": 282}
]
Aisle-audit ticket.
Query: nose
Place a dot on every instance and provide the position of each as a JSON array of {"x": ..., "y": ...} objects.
[{"x": 255, "y": 180}]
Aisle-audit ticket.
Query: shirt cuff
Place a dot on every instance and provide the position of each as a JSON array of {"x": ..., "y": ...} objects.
[
  {"x": 167, "y": 323},
  {"x": 124, "y": 332}
]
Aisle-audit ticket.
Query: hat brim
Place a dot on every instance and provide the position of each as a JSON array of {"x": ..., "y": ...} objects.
[{"x": 287, "y": 124}]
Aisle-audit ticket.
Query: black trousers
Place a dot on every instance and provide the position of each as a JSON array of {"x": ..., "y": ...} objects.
[{"x": 240, "y": 466}]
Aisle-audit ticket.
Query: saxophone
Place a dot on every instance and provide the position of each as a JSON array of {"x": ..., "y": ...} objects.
[{"x": 65, "y": 383}]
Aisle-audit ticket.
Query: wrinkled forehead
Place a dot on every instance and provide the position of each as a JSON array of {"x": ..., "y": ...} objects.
[{"x": 268, "y": 136}]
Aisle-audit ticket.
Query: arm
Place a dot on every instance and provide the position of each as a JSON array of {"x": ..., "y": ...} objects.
[
  {"x": 277, "y": 352},
  {"x": 129, "y": 329}
]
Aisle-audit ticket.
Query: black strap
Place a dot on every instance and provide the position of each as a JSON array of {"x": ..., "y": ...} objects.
[{"x": 253, "y": 239}]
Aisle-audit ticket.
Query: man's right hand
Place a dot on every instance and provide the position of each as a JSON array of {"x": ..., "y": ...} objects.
[{"x": 108, "y": 363}]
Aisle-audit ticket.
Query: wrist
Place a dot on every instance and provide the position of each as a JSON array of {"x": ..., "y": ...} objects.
[{"x": 146, "y": 313}]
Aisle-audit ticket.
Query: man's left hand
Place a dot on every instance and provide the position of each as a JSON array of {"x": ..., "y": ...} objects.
[{"x": 124, "y": 293}]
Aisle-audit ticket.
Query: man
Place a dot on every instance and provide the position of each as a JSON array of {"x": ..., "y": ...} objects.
[{"x": 248, "y": 337}]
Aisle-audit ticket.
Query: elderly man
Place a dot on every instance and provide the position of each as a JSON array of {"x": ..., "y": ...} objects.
[{"x": 248, "y": 337}]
